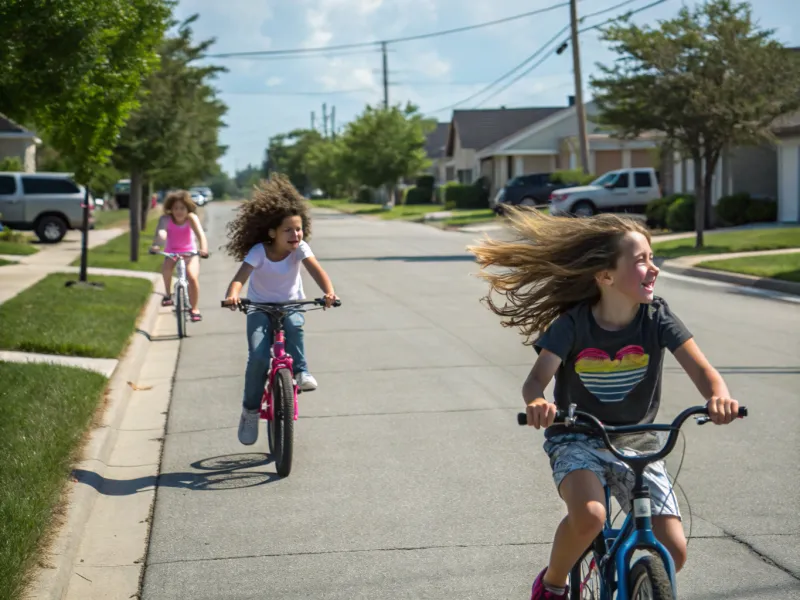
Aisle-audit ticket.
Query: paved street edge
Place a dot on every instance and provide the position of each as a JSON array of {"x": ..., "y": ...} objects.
[
  {"x": 764, "y": 283},
  {"x": 52, "y": 582}
]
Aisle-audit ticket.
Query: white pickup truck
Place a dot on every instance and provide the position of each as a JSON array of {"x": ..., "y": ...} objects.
[{"x": 624, "y": 190}]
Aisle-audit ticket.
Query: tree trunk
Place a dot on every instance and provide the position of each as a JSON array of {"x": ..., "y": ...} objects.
[
  {"x": 147, "y": 187},
  {"x": 700, "y": 202},
  {"x": 135, "y": 212},
  {"x": 708, "y": 183}
]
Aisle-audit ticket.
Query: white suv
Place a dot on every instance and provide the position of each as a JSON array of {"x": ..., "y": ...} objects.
[{"x": 625, "y": 190}]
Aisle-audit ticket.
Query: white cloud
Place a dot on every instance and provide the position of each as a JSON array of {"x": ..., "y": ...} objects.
[{"x": 274, "y": 81}]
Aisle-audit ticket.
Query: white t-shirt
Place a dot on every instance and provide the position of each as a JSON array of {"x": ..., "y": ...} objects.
[{"x": 276, "y": 281}]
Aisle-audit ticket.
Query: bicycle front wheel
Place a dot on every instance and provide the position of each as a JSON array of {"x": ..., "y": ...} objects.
[
  {"x": 180, "y": 310},
  {"x": 584, "y": 579},
  {"x": 649, "y": 580},
  {"x": 283, "y": 422}
]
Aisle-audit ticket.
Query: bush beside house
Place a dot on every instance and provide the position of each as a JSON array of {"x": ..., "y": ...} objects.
[
  {"x": 572, "y": 177},
  {"x": 741, "y": 209},
  {"x": 675, "y": 212}
]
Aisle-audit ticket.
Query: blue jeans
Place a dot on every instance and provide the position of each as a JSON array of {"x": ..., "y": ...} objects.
[{"x": 259, "y": 342}]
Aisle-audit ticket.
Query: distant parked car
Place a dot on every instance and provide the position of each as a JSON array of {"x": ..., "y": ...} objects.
[
  {"x": 198, "y": 198},
  {"x": 47, "y": 203},
  {"x": 204, "y": 191},
  {"x": 526, "y": 190},
  {"x": 624, "y": 190}
]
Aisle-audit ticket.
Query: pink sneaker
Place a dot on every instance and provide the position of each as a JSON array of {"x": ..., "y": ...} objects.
[{"x": 539, "y": 593}]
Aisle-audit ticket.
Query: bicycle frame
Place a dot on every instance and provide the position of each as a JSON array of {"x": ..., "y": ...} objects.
[
  {"x": 280, "y": 359},
  {"x": 613, "y": 548}
]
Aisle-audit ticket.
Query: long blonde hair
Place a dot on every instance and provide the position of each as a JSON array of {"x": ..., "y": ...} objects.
[{"x": 550, "y": 266}]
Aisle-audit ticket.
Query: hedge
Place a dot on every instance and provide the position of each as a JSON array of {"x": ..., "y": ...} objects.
[
  {"x": 418, "y": 195},
  {"x": 680, "y": 214},
  {"x": 740, "y": 209},
  {"x": 656, "y": 211},
  {"x": 572, "y": 176},
  {"x": 465, "y": 196},
  {"x": 364, "y": 196}
]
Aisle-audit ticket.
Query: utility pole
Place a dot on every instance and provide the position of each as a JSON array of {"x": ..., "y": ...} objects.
[
  {"x": 385, "y": 76},
  {"x": 313, "y": 120},
  {"x": 580, "y": 109},
  {"x": 324, "y": 119},
  {"x": 333, "y": 122}
]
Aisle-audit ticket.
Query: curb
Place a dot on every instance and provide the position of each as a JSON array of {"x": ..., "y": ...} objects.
[
  {"x": 763, "y": 283},
  {"x": 52, "y": 581}
]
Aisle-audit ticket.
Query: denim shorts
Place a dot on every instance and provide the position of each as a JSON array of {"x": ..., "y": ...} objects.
[{"x": 576, "y": 451}]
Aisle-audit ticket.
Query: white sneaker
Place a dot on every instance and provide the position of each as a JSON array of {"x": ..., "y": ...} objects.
[
  {"x": 306, "y": 382},
  {"x": 248, "y": 427}
]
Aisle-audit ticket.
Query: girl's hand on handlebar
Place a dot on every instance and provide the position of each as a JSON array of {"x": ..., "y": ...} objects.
[
  {"x": 541, "y": 413},
  {"x": 330, "y": 299},
  {"x": 203, "y": 254},
  {"x": 155, "y": 249},
  {"x": 232, "y": 301},
  {"x": 723, "y": 410}
]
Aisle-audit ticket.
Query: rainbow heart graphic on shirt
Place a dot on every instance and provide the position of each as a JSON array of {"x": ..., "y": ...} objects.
[{"x": 611, "y": 380}]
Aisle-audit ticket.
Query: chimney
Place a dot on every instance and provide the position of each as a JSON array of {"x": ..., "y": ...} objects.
[{"x": 570, "y": 100}]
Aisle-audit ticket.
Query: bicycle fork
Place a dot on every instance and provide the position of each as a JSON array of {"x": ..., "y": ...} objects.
[{"x": 279, "y": 360}]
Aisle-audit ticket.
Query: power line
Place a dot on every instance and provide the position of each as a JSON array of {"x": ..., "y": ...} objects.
[
  {"x": 302, "y": 93},
  {"x": 543, "y": 48},
  {"x": 377, "y": 43}
]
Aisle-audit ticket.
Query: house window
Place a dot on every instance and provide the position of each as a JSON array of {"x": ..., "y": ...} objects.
[
  {"x": 450, "y": 173},
  {"x": 465, "y": 176}
]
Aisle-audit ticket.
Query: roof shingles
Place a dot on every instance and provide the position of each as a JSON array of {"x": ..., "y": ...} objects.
[{"x": 478, "y": 129}]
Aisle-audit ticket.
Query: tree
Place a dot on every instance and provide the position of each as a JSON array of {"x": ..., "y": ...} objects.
[
  {"x": 384, "y": 145},
  {"x": 709, "y": 79},
  {"x": 74, "y": 71},
  {"x": 325, "y": 167},
  {"x": 287, "y": 154},
  {"x": 172, "y": 138}
]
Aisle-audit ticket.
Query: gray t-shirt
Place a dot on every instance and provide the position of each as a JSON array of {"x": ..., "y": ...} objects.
[{"x": 613, "y": 375}]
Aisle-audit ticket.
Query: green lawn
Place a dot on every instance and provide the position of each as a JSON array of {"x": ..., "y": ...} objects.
[
  {"x": 105, "y": 219},
  {"x": 115, "y": 254},
  {"x": 346, "y": 206},
  {"x": 4, "y": 262},
  {"x": 44, "y": 412},
  {"x": 411, "y": 212},
  {"x": 776, "y": 266},
  {"x": 17, "y": 248},
  {"x": 53, "y": 319},
  {"x": 746, "y": 240}
]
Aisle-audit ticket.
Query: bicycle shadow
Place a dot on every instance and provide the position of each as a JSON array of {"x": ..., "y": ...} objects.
[{"x": 227, "y": 472}]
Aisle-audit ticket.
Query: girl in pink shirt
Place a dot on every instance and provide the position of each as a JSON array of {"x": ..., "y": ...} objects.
[{"x": 181, "y": 229}]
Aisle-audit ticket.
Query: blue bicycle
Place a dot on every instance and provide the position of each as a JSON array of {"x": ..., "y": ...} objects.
[{"x": 605, "y": 567}]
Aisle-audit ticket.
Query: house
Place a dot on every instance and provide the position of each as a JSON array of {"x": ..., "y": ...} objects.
[
  {"x": 787, "y": 130},
  {"x": 18, "y": 142},
  {"x": 435, "y": 143},
  {"x": 472, "y": 131}
]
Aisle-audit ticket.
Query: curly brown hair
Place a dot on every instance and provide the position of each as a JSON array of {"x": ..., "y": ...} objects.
[
  {"x": 273, "y": 200},
  {"x": 179, "y": 196},
  {"x": 551, "y": 265}
]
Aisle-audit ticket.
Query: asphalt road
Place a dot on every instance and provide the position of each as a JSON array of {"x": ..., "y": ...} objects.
[{"x": 411, "y": 478}]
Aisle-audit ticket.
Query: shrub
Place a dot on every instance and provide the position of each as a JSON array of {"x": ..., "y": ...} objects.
[
  {"x": 11, "y": 163},
  {"x": 425, "y": 181},
  {"x": 680, "y": 214},
  {"x": 465, "y": 196},
  {"x": 762, "y": 211},
  {"x": 418, "y": 195},
  {"x": 572, "y": 177},
  {"x": 733, "y": 209},
  {"x": 364, "y": 196},
  {"x": 656, "y": 211}
]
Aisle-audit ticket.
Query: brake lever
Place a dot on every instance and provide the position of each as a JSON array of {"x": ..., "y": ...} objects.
[{"x": 702, "y": 419}]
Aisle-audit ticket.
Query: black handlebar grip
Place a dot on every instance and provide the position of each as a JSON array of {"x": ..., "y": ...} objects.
[
  {"x": 522, "y": 419},
  {"x": 337, "y": 303},
  {"x": 742, "y": 412}
]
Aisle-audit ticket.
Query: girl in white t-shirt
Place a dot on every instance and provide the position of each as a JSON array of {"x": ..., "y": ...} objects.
[{"x": 267, "y": 236}]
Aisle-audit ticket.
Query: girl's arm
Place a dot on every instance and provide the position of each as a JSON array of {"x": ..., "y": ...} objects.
[
  {"x": 198, "y": 231},
  {"x": 541, "y": 413},
  {"x": 160, "y": 237},
  {"x": 321, "y": 277},
  {"x": 236, "y": 285},
  {"x": 721, "y": 408}
]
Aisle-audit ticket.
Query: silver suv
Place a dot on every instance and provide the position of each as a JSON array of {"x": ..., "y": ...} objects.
[{"x": 46, "y": 203}]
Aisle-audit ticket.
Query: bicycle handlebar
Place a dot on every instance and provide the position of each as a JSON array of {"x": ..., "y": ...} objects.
[
  {"x": 177, "y": 254},
  {"x": 245, "y": 302},
  {"x": 581, "y": 418}
]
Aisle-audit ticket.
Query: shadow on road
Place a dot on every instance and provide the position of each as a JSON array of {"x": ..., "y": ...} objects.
[
  {"x": 220, "y": 473},
  {"x": 412, "y": 259}
]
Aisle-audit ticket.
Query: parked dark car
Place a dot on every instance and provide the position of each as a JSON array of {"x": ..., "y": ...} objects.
[{"x": 533, "y": 189}]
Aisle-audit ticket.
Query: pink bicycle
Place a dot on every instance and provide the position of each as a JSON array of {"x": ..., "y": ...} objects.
[{"x": 279, "y": 407}]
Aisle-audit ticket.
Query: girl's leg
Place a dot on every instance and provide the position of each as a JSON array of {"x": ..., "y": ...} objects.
[
  {"x": 259, "y": 341},
  {"x": 166, "y": 271},
  {"x": 193, "y": 275},
  {"x": 583, "y": 493},
  {"x": 295, "y": 341},
  {"x": 669, "y": 531}
]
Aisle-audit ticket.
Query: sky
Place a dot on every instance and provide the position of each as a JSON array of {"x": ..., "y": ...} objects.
[{"x": 266, "y": 96}]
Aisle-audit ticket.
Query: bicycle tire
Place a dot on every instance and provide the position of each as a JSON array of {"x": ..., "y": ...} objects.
[
  {"x": 271, "y": 434},
  {"x": 180, "y": 311},
  {"x": 283, "y": 421},
  {"x": 650, "y": 575},
  {"x": 578, "y": 578}
]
